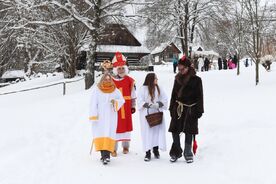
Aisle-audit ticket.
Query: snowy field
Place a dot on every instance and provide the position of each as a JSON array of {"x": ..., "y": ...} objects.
[{"x": 45, "y": 137}]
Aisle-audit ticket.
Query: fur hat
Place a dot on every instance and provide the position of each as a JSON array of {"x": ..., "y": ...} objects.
[{"x": 185, "y": 61}]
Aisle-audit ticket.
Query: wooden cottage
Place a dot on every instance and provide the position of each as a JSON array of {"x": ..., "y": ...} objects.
[
  {"x": 165, "y": 52},
  {"x": 12, "y": 75},
  {"x": 116, "y": 37}
]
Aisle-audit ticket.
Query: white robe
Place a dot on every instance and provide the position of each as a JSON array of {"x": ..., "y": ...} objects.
[
  {"x": 103, "y": 117},
  {"x": 155, "y": 136},
  {"x": 200, "y": 64}
]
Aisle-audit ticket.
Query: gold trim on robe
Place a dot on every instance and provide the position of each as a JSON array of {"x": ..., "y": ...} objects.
[
  {"x": 104, "y": 143},
  {"x": 116, "y": 106},
  {"x": 123, "y": 113},
  {"x": 93, "y": 118},
  {"x": 127, "y": 97}
]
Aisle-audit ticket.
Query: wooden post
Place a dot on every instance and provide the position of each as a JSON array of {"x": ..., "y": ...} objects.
[{"x": 64, "y": 88}]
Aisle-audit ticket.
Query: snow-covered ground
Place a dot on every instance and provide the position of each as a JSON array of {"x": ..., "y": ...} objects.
[{"x": 45, "y": 137}]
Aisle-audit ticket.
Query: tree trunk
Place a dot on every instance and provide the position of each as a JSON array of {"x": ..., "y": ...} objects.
[
  {"x": 238, "y": 64},
  {"x": 71, "y": 69},
  {"x": 192, "y": 31},
  {"x": 90, "y": 69},
  {"x": 194, "y": 23},
  {"x": 186, "y": 28},
  {"x": 257, "y": 71},
  {"x": 182, "y": 38}
]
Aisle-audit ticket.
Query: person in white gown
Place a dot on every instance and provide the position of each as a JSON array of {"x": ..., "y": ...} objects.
[
  {"x": 200, "y": 64},
  {"x": 153, "y": 99},
  {"x": 106, "y": 100}
]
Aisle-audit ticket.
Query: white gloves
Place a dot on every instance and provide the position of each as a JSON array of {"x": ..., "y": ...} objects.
[{"x": 154, "y": 106}]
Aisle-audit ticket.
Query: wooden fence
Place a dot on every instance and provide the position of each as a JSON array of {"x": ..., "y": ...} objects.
[{"x": 44, "y": 86}]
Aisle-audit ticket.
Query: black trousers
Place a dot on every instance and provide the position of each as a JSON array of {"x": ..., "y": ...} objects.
[
  {"x": 176, "y": 149},
  {"x": 174, "y": 68},
  {"x": 206, "y": 67},
  {"x": 220, "y": 66},
  {"x": 105, "y": 154}
]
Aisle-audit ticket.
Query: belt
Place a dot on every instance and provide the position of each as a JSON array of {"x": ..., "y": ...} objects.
[
  {"x": 180, "y": 108},
  {"x": 127, "y": 97}
]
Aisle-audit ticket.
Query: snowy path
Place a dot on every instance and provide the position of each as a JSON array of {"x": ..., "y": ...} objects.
[{"x": 47, "y": 140}]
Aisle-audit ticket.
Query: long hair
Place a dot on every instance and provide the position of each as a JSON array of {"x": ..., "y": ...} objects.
[{"x": 149, "y": 81}]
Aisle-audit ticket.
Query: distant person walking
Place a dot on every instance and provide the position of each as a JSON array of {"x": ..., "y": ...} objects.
[
  {"x": 206, "y": 64},
  {"x": 224, "y": 64},
  {"x": 246, "y": 62},
  {"x": 231, "y": 64},
  {"x": 220, "y": 63},
  {"x": 175, "y": 62},
  {"x": 235, "y": 60},
  {"x": 200, "y": 63}
]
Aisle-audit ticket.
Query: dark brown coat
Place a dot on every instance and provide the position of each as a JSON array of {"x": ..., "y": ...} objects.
[{"x": 188, "y": 90}]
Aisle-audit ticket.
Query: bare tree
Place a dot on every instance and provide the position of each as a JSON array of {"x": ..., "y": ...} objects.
[
  {"x": 24, "y": 42},
  {"x": 177, "y": 19},
  {"x": 229, "y": 29},
  {"x": 94, "y": 16},
  {"x": 257, "y": 15},
  {"x": 64, "y": 23},
  {"x": 241, "y": 26}
]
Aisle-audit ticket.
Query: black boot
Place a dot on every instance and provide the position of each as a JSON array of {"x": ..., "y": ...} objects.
[
  {"x": 176, "y": 151},
  {"x": 188, "y": 155},
  {"x": 173, "y": 158},
  {"x": 148, "y": 156},
  {"x": 108, "y": 156},
  {"x": 104, "y": 157},
  {"x": 156, "y": 152}
]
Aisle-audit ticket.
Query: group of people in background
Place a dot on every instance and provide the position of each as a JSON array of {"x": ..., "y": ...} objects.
[
  {"x": 113, "y": 102},
  {"x": 202, "y": 64}
]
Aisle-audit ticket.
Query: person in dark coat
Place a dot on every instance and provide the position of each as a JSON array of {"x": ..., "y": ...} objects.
[
  {"x": 206, "y": 64},
  {"x": 225, "y": 64},
  {"x": 174, "y": 64},
  {"x": 220, "y": 63},
  {"x": 235, "y": 60},
  {"x": 186, "y": 107},
  {"x": 246, "y": 63}
]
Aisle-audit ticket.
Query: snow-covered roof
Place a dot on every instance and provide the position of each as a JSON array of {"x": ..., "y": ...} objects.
[
  {"x": 195, "y": 47},
  {"x": 120, "y": 48},
  {"x": 267, "y": 58},
  {"x": 162, "y": 47},
  {"x": 13, "y": 74},
  {"x": 206, "y": 53}
]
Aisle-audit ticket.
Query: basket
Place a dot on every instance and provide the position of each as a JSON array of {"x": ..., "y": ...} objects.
[{"x": 154, "y": 118}]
